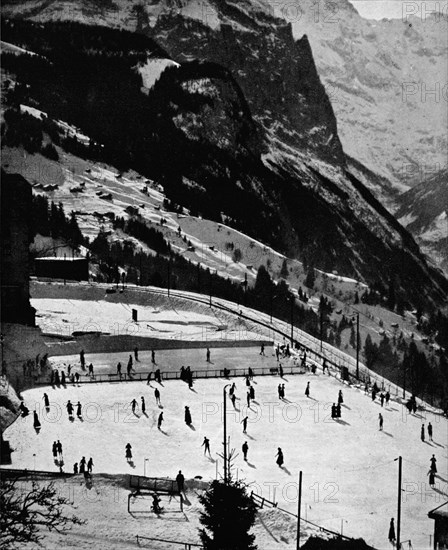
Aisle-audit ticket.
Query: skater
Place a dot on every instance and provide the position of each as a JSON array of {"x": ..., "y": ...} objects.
[
  {"x": 136, "y": 353},
  {"x": 63, "y": 378},
  {"x": 128, "y": 452},
  {"x": 262, "y": 349},
  {"x": 307, "y": 390},
  {"x": 129, "y": 368},
  {"x": 82, "y": 465},
  {"x": 392, "y": 531},
  {"x": 82, "y": 359},
  {"x": 91, "y": 370},
  {"x": 252, "y": 392},
  {"x": 251, "y": 374},
  {"x": 75, "y": 468},
  {"x": 133, "y": 405},
  {"x": 340, "y": 398},
  {"x": 79, "y": 410},
  {"x": 46, "y": 401},
  {"x": 422, "y": 433},
  {"x": 187, "y": 416},
  {"x": 247, "y": 380},
  {"x": 280, "y": 370},
  {"x": 283, "y": 391},
  {"x": 387, "y": 398},
  {"x": 55, "y": 450},
  {"x": 244, "y": 423},
  {"x": 119, "y": 369},
  {"x": 207, "y": 355},
  {"x": 248, "y": 399},
  {"x": 279, "y": 456},
  {"x": 430, "y": 432},
  {"x": 206, "y": 445},
  {"x": 333, "y": 411},
  {"x": 77, "y": 377},
  {"x": 56, "y": 378},
  {"x": 156, "y": 504},
  {"x": 157, "y": 396},
  {"x": 232, "y": 389},
  {"x": 159, "y": 421},
  {"x": 24, "y": 409},
  {"x": 233, "y": 399},
  {"x": 382, "y": 398},
  {"x": 338, "y": 411},
  {"x": 433, "y": 462},
  {"x": 245, "y": 448},
  {"x": 69, "y": 409},
  {"x": 90, "y": 465},
  {"x": 324, "y": 366},
  {"x": 279, "y": 391},
  {"x": 153, "y": 357},
  {"x": 148, "y": 379},
  {"x": 158, "y": 376},
  {"x": 130, "y": 361},
  {"x": 143, "y": 405},
  {"x": 180, "y": 480},
  {"x": 59, "y": 448},
  {"x": 380, "y": 421},
  {"x": 432, "y": 479}
]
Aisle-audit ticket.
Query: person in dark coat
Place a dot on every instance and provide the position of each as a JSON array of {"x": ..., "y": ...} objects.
[
  {"x": 340, "y": 397},
  {"x": 46, "y": 401},
  {"x": 422, "y": 433},
  {"x": 245, "y": 448},
  {"x": 433, "y": 462},
  {"x": 159, "y": 421},
  {"x": 75, "y": 468},
  {"x": 24, "y": 409},
  {"x": 63, "y": 378},
  {"x": 207, "y": 355},
  {"x": 82, "y": 359},
  {"x": 392, "y": 531},
  {"x": 90, "y": 465},
  {"x": 187, "y": 416},
  {"x": 158, "y": 376},
  {"x": 430, "y": 431},
  {"x": 279, "y": 456},
  {"x": 338, "y": 411},
  {"x": 79, "y": 410},
  {"x": 244, "y": 423},
  {"x": 136, "y": 353},
  {"x": 57, "y": 380},
  {"x": 248, "y": 399},
  {"x": 233, "y": 399},
  {"x": 252, "y": 392},
  {"x": 180, "y": 480},
  {"x": 153, "y": 357},
  {"x": 77, "y": 377},
  {"x": 69, "y": 407},
  {"x": 380, "y": 421},
  {"x": 59, "y": 448},
  {"x": 206, "y": 445},
  {"x": 55, "y": 450},
  {"x": 387, "y": 398},
  {"x": 157, "y": 396},
  {"x": 36, "y": 422},
  {"x": 133, "y": 405},
  {"x": 280, "y": 370},
  {"x": 128, "y": 452},
  {"x": 91, "y": 370},
  {"x": 143, "y": 405},
  {"x": 279, "y": 391},
  {"x": 119, "y": 369},
  {"x": 307, "y": 390},
  {"x": 82, "y": 465}
]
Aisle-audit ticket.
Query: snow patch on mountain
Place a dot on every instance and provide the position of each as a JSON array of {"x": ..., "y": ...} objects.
[{"x": 153, "y": 69}]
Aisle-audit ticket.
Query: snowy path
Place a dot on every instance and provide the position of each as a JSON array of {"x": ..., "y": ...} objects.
[{"x": 350, "y": 477}]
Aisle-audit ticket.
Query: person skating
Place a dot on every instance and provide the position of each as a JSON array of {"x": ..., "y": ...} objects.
[
  {"x": 158, "y": 376},
  {"x": 77, "y": 377},
  {"x": 55, "y": 450},
  {"x": 75, "y": 468},
  {"x": 136, "y": 353},
  {"x": 338, "y": 411},
  {"x": 392, "y": 531},
  {"x": 333, "y": 410},
  {"x": 91, "y": 370},
  {"x": 63, "y": 383},
  {"x": 307, "y": 390},
  {"x": 133, "y": 405},
  {"x": 46, "y": 402},
  {"x": 59, "y": 448},
  {"x": 430, "y": 431},
  {"x": 340, "y": 398},
  {"x": 244, "y": 423},
  {"x": 207, "y": 355},
  {"x": 156, "y": 504},
  {"x": 153, "y": 357},
  {"x": 245, "y": 449},
  {"x": 432, "y": 479},
  {"x": 248, "y": 399},
  {"x": 143, "y": 405},
  {"x": 57, "y": 380},
  {"x": 119, "y": 369},
  {"x": 233, "y": 399},
  {"x": 280, "y": 370},
  {"x": 82, "y": 359},
  {"x": 79, "y": 409},
  {"x": 159, "y": 421},
  {"x": 382, "y": 399},
  {"x": 252, "y": 392},
  {"x": 206, "y": 445},
  {"x": 187, "y": 416},
  {"x": 279, "y": 456},
  {"x": 157, "y": 396},
  {"x": 232, "y": 389},
  {"x": 90, "y": 465},
  {"x": 69, "y": 407},
  {"x": 82, "y": 465},
  {"x": 433, "y": 462},
  {"x": 128, "y": 448},
  {"x": 279, "y": 391},
  {"x": 380, "y": 421},
  {"x": 251, "y": 374},
  {"x": 180, "y": 480},
  {"x": 262, "y": 349},
  {"x": 283, "y": 391},
  {"x": 387, "y": 398},
  {"x": 422, "y": 433},
  {"x": 24, "y": 409}
]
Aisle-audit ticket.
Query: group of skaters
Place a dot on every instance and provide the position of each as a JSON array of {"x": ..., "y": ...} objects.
[
  {"x": 384, "y": 397},
  {"x": 32, "y": 367},
  {"x": 186, "y": 374},
  {"x": 84, "y": 468},
  {"x": 70, "y": 410},
  {"x": 60, "y": 378}
]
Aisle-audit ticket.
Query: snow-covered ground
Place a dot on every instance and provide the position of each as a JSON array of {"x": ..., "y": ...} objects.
[{"x": 349, "y": 468}]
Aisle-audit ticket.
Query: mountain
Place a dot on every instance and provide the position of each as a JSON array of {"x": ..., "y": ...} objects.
[
  {"x": 424, "y": 211},
  {"x": 384, "y": 78},
  {"x": 219, "y": 135}
]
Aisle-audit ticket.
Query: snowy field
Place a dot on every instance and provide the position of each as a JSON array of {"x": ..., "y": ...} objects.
[{"x": 349, "y": 472}]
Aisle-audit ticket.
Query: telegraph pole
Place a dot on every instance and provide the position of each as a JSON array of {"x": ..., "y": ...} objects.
[
  {"x": 224, "y": 395},
  {"x": 357, "y": 346},
  {"x": 400, "y": 460},
  {"x": 292, "y": 321},
  {"x": 299, "y": 505}
]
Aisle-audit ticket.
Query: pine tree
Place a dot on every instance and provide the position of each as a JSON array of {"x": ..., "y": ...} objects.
[
  {"x": 310, "y": 278},
  {"x": 229, "y": 514},
  {"x": 284, "y": 270}
]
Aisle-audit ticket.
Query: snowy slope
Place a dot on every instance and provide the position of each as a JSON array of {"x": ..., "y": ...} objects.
[{"x": 352, "y": 483}]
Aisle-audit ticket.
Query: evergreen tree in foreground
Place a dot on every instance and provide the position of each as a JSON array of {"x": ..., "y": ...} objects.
[{"x": 229, "y": 513}]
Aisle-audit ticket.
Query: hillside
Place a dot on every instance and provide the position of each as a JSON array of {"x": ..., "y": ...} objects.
[
  {"x": 305, "y": 202},
  {"x": 378, "y": 74},
  {"x": 423, "y": 210}
]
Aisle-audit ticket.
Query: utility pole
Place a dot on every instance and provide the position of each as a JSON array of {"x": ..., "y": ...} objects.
[
  {"x": 169, "y": 275},
  {"x": 321, "y": 327},
  {"x": 399, "y": 502},
  {"x": 292, "y": 321},
  {"x": 357, "y": 346},
  {"x": 224, "y": 395},
  {"x": 210, "y": 287},
  {"x": 299, "y": 505}
]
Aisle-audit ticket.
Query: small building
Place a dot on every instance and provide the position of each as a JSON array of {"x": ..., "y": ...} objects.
[
  {"x": 440, "y": 517},
  {"x": 70, "y": 269}
]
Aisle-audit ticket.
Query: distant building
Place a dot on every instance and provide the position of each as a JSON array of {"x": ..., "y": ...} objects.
[
  {"x": 440, "y": 517},
  {"x": 70, "y": 269},
  {"x": 16, "y": 202}
]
